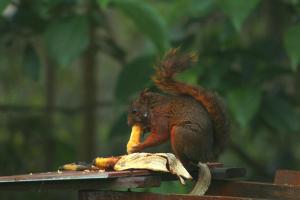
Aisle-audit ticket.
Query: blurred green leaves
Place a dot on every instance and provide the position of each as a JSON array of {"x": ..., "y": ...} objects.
[
  {"x": 3, "y": 5},
  {"x": 246, "y": 64},
  {"x": 31, "y": 63},
  {"x": 238, "y": 11},
  {"x": 134, "y": 77},
  {"x": 292, "y": 45},
  {"x": 67, "y": 38},
  {"x": 147, "y": 20},
  {"x": 278, "y": 113},
  {"x": 103, "y": 3},
  {"x": 244, "y": 104},
  {"x": 190, "y": 8}
]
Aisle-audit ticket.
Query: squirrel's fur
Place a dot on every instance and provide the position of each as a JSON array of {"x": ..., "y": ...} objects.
[
  {"x": 175, "y": 62},
  {"x": 193, "y": 118}
]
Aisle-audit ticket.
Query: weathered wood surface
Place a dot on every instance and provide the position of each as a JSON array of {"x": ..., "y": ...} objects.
[
  {"x": 72, "y": 175},
  {"x": 287, "y": 177},
  {"x": 286, "y": 184},
  {"x": 254, "y": 190},
  {"x": 79, "y": 180},
  {"x": 113, "y": 195}
]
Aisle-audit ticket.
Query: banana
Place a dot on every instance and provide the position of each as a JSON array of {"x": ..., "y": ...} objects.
[{"x": 134, "y": 139}]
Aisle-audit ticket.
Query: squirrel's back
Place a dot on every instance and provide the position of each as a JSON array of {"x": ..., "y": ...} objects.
[{"x": 175, "y": 62}]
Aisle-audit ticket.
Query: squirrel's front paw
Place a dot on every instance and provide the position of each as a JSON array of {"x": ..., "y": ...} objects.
[
  {"x": 134, "y": 148},
  {"x": 133, "y": 144}
]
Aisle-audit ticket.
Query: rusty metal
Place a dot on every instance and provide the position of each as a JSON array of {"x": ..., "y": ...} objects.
[
  {"x": 226, "y": 173},
  {"x": 114, "y": 195},
  {"x": 287, "y": 177},
  {"x": 214, "y": 165},
  {"x": 253, "y": 190}
]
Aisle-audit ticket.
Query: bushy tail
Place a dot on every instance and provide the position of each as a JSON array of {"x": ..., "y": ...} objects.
[{"x": 175, "y": 62}]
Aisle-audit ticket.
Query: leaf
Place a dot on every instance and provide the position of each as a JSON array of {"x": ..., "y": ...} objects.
[
  {"x": 103, "y": 3},
  {"x": 197, "y": 8},
  {"x": 280, "y": 114},
  {"x": 244, "y": 104},
  {"x": 189, "y": 8},
  {"x": 3, "y": 5},
  {"x": 134, "y": 77},
  {"x": 147, "y": 20},
  {"x": 67, "y": 38},
  {"x": 273, "y": 71},
  {"x": 292, "y": 45},
  {"x": 238, "y": 11},
  {"x": 31, "y": 63}
]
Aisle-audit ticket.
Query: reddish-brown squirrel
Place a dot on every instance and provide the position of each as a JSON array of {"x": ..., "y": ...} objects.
[{"x": 193, "y": 118}]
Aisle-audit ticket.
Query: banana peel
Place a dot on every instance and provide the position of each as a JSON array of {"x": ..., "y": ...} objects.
[
  {"x": 161, "y": 162},
  {"x": 164, "y": 162},
  {"x": 203, "y": 181}
]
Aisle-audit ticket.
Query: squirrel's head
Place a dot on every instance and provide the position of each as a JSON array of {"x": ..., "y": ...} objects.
[{"x": 140, "y": 108}]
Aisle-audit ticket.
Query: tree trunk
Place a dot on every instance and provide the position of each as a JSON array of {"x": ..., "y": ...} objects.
[
  {"x": 88, "y": 135},
  {"x": 49, "y": 111}
]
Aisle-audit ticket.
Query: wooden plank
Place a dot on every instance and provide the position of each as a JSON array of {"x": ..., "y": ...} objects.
[
  {"x": 253, "y": 190},
  {"x": 73, "y": 179},
  {"x": 114, "y": 195},
  {"x": 76, "y": 175},
  {"x": 287, "y": 177},
  {"x": 73, "y": 175},
  {"x": 84, "y": 184}
]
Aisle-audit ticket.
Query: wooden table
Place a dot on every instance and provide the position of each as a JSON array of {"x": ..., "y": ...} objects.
[{"x": 103, "y": 185}]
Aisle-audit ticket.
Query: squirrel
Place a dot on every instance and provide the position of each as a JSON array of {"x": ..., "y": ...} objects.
[{"x": 192, "y": 118}]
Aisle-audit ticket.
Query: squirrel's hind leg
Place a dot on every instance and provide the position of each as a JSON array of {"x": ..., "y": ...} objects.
[{"x": 191, "y": 144}]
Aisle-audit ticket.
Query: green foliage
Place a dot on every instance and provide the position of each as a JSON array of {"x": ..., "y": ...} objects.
[
  {"x": 278, "y": 113},
  {"x": 238, "y": 11},
  {"x": 134, "y": 77},
  {"x": 146, "y": 19},
  {"x": 244, "y": 104},
  {"x": 244, "y": 47},
  {"x": 31, "y": 63},
  {"x": 103, "y": 3},
  {"x": 189, "y": 8},
  {"x": 292, "y": 45},
  {"x": 66, "y": 38},
  {"x": 4, "y": 4}
]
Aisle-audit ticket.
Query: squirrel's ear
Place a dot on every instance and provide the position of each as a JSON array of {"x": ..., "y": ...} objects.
[{"x": 145, "y": 93}]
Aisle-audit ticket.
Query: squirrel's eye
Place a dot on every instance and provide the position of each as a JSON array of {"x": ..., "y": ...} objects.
[{"x": 134, "y": 111}]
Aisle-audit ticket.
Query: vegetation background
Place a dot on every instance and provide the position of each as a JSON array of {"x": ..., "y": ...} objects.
[{"x": 69, "y": 69}]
